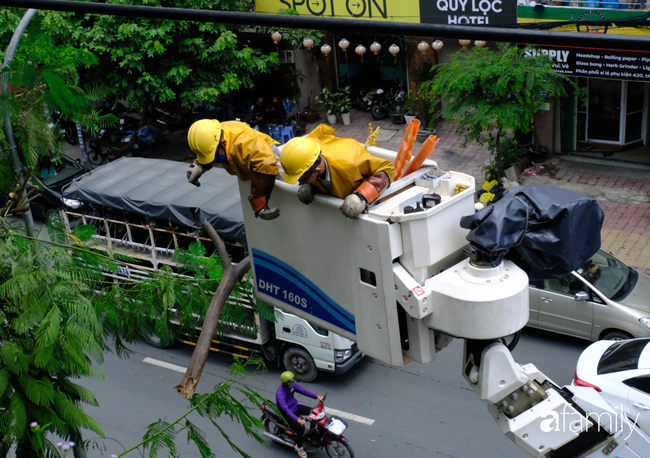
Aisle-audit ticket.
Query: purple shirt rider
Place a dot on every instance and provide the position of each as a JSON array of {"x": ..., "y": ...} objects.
[{"x": 285, "y": 401}]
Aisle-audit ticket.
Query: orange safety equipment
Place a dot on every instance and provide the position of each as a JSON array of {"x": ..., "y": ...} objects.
[
  {"x": 351, "y": 167},
  {"x": 297, "y": 156},
  {"x": 404, "y": 153},
  {"x": 203, "y": 138},
  {"x": 427, "y": 149}
]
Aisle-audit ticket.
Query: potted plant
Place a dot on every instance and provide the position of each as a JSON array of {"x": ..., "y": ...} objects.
[
  {"x": 411, "y": 106},
  {"x": 396, "y": 112},
  {"x": 329, "y": 100},
  {"x": 344, "y": 104}
]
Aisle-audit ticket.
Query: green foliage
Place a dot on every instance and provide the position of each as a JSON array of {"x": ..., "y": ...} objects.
[
  {"x": 328, "y": 99},
  {"x": 493, "y": 93},
  {"x": 44, "y": 79},
  {"x": 293, "y": 36},
  {"x": 51, "y": 330},
  {"x": 412, "y": 102},
  {"x": 343, "y": 100},
  {"x": 154, "y": 60}
]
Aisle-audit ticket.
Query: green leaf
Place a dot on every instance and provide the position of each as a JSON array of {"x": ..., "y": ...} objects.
[
  {"x": 84, "y": 232},
  {"x": 40, "y": 392},
  {"x": 194, "y": 434}
]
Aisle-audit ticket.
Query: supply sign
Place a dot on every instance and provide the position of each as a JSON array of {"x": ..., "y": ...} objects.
[
  {"x": 599, "y": 63},
  {"x": 458, "y": 12}
]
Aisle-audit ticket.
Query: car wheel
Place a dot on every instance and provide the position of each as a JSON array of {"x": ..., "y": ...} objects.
[
  {"x": 301, "y": 364},
  {"x": 616, "y": 335}
]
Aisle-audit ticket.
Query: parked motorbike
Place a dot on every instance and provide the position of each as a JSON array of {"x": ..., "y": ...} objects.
[
  {"x": 362, "y": 100},
  {"x": 381, "y": 101},
  {"x": 320, "y": 432},
  {"x": 109, "y": 146},
  {"x": 67, "y": 126}
]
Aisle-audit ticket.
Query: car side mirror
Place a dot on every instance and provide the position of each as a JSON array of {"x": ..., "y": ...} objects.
[{"x": 581, "y": 296}]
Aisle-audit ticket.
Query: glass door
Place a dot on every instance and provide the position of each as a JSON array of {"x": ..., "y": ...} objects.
[
  {"x": 634, "y": 112},
  {"x": 604, "y": 110}
]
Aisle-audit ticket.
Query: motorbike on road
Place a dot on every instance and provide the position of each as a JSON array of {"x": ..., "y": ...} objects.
[{"x": 320, "y": 432}]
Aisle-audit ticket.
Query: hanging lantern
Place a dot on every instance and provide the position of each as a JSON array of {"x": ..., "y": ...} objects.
[
  {"x": 423, "y": 47},
  {"x": 464, "y": 43},
  {"x": 308, "y": 43},
  {"x": 479, "y": 43},
  {"x": 394, "y": 49},
  {"x": 277, "y": 36},
  {"x": 437, "y": 45},
  {"x": 361, "y": 50},
  {"x": 326, "y": 49},
  {"x": 343, "y": 44},
  {"x": 375, "y": 47}
]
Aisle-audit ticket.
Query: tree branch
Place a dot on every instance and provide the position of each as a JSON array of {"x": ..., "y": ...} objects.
[{"x": 231, "y": 275}]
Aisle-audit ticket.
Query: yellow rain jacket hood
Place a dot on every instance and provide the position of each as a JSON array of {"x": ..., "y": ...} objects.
[
  {"x": 349, "y": 163},
  {"x": 248, "y": 151}
]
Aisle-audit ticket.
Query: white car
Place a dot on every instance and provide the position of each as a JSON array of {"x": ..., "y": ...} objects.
[{"x": 620, "y": 371}]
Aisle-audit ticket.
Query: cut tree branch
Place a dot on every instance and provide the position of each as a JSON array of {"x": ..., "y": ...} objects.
[{"x": 231, "y": 275}]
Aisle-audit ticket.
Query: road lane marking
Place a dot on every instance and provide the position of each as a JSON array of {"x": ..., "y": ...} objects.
[
  {"x": 328, "y": 410},
  {"x": 171, "y": 367},
  {"x": 349, "y": 416}
]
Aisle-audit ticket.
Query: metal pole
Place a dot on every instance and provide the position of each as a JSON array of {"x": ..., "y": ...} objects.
[
  {"x": 6, "y": 117},
  {"x": 503, "y": 34}
]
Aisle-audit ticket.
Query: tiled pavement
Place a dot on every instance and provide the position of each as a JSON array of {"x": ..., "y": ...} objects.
[{"x": 622, "y": 192}]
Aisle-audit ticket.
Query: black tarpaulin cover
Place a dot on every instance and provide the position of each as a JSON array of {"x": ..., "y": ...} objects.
[
  {"x": 547, "y": 231},
  {"x": 159, "y": 189}
]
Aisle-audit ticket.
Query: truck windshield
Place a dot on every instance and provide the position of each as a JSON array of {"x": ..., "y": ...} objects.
[{"x": 608, "y": 275}]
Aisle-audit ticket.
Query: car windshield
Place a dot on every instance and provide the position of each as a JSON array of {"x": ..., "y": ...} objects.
[
  {"x": 621, "y": 356},
  {"x": 55, "y": 173},
  {"x": 607, "y": 274}
]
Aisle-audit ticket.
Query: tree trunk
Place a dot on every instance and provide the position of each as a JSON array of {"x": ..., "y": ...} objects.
[{"x": 231, "y": 275}]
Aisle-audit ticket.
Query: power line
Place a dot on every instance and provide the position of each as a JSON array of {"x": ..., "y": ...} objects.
[{"x": 629, "y": 42}]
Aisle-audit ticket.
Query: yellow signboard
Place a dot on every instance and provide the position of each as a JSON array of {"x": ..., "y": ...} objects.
[{"x": 376, "y": 10}]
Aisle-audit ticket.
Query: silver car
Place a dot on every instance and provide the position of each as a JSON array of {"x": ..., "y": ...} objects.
[{"x": 605, "y": 299}]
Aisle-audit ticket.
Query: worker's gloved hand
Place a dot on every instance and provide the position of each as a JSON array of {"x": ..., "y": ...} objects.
[
  {"x": 195, "y": 172},
  {"x": 268, "y": 213},
  {"x": 353, "y": 205},
  {"x": 306, "y": 193}
]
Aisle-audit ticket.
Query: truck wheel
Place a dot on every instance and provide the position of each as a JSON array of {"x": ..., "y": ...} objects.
[
  {"x": 155, "y": 341},
  {"x": 300, "y": 363}
]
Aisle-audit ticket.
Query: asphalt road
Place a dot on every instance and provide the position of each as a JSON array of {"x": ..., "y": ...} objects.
[{"x": 418, "y": 410}]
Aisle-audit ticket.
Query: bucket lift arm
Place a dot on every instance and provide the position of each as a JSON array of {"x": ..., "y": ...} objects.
[{"x": 400, "y": 284}]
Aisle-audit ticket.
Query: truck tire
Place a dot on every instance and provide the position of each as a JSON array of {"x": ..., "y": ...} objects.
[
  {"x": 155, "y": 341},
  {"x": 301, "y": 364}
]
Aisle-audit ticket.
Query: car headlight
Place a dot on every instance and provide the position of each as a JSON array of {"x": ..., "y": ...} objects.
[
  {"x": 72, "y": 203},
  {"x": 645, "y": 321},
  {"x": 341, "y": 356}
]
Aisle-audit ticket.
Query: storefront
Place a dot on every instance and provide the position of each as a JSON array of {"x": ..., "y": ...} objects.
[{"x": 616, "y": 85}]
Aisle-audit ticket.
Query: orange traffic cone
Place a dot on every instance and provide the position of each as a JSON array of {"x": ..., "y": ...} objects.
[
  {"x": 404, "y": 153},
  {"x": 428, "y": 147}
]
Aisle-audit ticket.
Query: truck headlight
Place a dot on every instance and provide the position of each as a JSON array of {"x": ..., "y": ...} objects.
[
  {"x": 341, "y": 356},
  {"x": 645, "y": 321},
  {"x": 72, "y": 203}
]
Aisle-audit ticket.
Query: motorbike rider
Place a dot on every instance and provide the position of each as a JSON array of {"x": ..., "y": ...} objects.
[
  {"x": 290, "y": 409},
  {"x": 242, "y": 151},
  {"x": 339, "y": 167}
]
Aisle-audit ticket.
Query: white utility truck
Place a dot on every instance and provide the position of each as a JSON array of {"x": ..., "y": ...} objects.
[
  {"x": 402, "y": 286},
  {"x": 146, "y": 209}
]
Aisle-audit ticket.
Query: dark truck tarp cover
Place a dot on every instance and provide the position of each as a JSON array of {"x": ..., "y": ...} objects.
[
  {"x": 549, "y": 231},
  {"x": 159, "y": 189}
]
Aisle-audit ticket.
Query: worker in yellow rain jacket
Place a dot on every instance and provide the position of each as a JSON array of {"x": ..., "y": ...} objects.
[
  {"x": 242, "y": 151},
  {"x": 338, "y": 167}
]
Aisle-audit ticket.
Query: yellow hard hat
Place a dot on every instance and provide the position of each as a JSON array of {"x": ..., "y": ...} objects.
[
  {"x": 297, "y": 156},
  {"x": 203, "y": 137}
]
